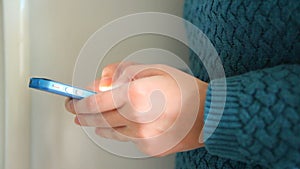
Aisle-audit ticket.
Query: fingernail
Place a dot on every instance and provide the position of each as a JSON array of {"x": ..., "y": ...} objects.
[
  {"x": 70, "y": 106},
  {"x": 76, "y": 120},
  {"x": 105, "y": 84}
]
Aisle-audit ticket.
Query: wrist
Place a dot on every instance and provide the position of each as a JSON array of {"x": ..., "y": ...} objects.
[{"x": 202, "y": 90}]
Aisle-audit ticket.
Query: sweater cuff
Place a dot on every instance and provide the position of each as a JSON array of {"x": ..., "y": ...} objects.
[{"x": 221, "y": 120}]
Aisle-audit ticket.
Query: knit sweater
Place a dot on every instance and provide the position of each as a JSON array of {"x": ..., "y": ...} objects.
[{"x": 258, "y": 42}]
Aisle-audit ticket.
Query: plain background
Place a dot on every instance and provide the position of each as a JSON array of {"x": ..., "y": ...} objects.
[{"x": 43, "y": 38}]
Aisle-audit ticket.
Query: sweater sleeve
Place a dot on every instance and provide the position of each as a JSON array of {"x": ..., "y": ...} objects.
[{"x": 260, "y": 122}]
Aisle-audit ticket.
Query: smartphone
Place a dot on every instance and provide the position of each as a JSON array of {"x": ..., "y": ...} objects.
[{"x": 59, "y": 88}]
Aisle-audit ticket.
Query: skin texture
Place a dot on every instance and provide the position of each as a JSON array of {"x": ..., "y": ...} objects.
[{"x": 157, "y": 107}]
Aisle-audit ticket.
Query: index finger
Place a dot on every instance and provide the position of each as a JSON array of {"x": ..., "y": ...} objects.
[
  {"x": 109, "y": 70},
  {"x": 101, "y": 102},
  {"x": 115, "y": 70}
]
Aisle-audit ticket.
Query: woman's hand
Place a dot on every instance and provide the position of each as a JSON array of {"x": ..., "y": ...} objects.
[{"x": 157, "y": 107}]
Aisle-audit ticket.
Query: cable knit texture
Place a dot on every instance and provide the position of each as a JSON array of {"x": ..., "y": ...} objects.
[{"x": 258, "y": 42}]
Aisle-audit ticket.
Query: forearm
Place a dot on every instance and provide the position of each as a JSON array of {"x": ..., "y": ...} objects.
[{"x": 261, "y": 118}]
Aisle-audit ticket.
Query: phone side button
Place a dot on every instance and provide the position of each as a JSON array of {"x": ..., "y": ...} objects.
[{"x": 70, "y": 90}]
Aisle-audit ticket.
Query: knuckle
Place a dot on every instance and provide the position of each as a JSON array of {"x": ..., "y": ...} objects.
[
  {"x": 132, "y": 70},
  {"x": 127, "y": 72},
  {"x": 107, "y": 70}
]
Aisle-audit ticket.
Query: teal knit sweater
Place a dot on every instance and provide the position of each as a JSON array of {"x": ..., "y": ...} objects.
[{"x": 258, "y": 42}]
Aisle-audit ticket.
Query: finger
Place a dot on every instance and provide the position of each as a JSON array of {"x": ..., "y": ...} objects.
[
  {"x": 127, "y": 132},
  {"x": 115, "y": 69},
  {"x": 107, "y": 119},
  {"x": 112, "y": 133},
  {"x": 105, "y": 84},
  {"x": 101, "y": 102},
  {"x": 117, "y": 74},
  {"x": 100, "y": 85},
  {"x": 94, "y": 86},
  {"x": 93, "y": 120},
  {"x": 109, "y": 70},
  {"x": 69, "y": 105},
  {"x": 106, "y": 80},
  {"x": 115, "y": 119},
  {"x": 138, "y": 71}
]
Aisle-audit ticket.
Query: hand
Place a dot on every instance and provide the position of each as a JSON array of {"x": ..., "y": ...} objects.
[{"x": 157, "y": 107}]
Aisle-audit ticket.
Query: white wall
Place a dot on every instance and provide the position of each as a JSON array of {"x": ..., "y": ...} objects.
[
  {"x": 2, "y": 110},
  {"x": 16, "y": 93},
  {"x": 58, "y": 30}
]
